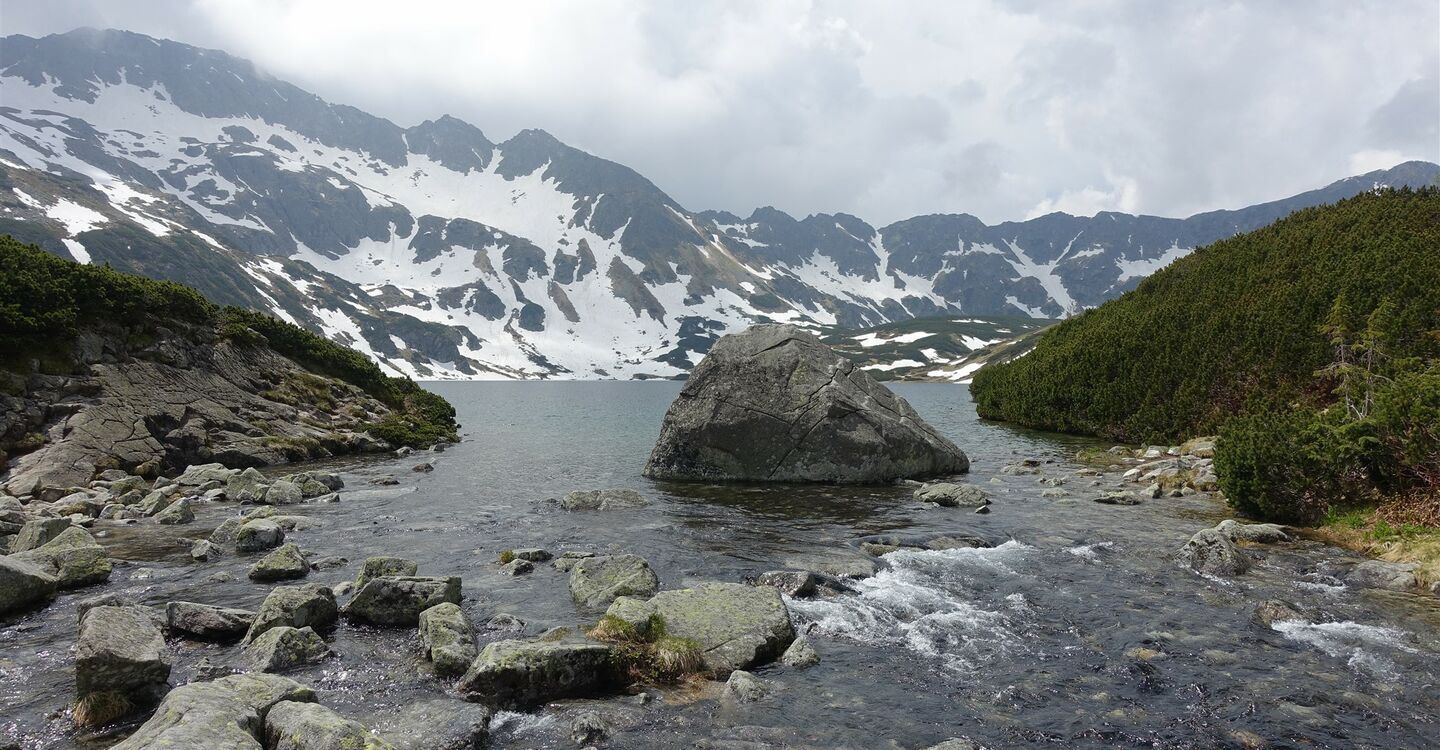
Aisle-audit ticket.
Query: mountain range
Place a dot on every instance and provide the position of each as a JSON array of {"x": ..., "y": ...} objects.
[{"x": 444, "y": 254}]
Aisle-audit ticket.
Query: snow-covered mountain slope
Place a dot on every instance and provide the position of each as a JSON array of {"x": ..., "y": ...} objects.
[
  {"x": 444, "y": 254},
  {"x": 946, "y": 349}
]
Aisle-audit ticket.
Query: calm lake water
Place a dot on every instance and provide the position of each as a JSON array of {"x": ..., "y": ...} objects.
[{"x": 1075, "y": 630}]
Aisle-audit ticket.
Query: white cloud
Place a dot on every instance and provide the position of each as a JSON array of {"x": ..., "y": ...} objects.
[
  {"x": 992, "y": 107},
  {"x": 1370, "y": 160}
]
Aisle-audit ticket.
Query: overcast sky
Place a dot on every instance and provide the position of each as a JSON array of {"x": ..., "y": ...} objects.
[{"x": 881, "y": 109}]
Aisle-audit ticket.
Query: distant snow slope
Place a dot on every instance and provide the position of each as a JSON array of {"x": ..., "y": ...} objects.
[{"x": 445, "y": 255}]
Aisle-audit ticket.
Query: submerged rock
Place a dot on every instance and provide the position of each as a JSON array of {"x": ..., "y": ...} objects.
[
  {"x": 447, "y": 638},
  {"x": 120, "y": 664},
  {"x": 399, "y": 600},
  {"x": 224, "y": 714},
  {"x": 1212, "y": 553},
  {"x": 291, "y": 725},
  {"x": 745, "y": 687},
  {"x": 775, "y": 404},
  {"x": 521, "y": 674},
  {"x": 440, "y": 724},
  {"x": 951, "y": 495},
  {"x": 1271, "y": 611},
  {"x": 597, "y": 581},
  {"x": 602, "y": 500},
  {"x": 1379, "y": 574}
]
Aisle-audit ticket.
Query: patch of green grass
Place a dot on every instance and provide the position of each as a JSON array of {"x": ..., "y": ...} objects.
[{"x": 507, "y": 556}]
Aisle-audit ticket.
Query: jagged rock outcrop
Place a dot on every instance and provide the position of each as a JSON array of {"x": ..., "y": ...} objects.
[{"x": 775, "y": 404}]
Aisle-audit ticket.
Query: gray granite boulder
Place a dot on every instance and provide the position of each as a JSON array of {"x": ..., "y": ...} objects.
[
  {"x": 1379, "y": 574},
  {"x": 223, "y": 714},
  {"x": 206, "y": 621},
  {"x": 951, "y": 495},
  {"x": 617, "y": 499},
  {"x": 597, "y": 581},
  {"x": 120, "y": 664},
  {"x": 296, "y": 606},
  {"x": 399, "y": 600},
  {"x": 283, "y": 648},
  {"x": 258, "y": 535},
  {"x": 377, "y": 566},
  {"x": 291, "y": 725},
  {"x": 439, "y": 724},
  {"x": 74, "y": 558},
  {"x": 773, "y": 403},
  {"x": 1212, "y": 553},
  {"x": 736, "y": 626},
  {"x": 284, "y": 563},
  {"x": 447, "y": 638},
  {"x": 527, "y": 673},
  {"x": 23, "y": 584}
]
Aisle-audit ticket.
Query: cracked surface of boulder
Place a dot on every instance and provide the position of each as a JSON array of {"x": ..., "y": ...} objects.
[
  {"x": 773, "y": 403},
  {"x": 223, "y": 714}
]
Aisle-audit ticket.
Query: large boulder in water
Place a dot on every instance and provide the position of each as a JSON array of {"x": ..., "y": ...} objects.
[
  {"x": 227, "y": 713},
  {"x": 120, "y": 663},
  {"x": 775, "y": 404}
]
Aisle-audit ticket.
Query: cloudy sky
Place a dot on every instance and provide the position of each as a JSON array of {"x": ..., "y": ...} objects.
[{"x": 1002, "y": 109}]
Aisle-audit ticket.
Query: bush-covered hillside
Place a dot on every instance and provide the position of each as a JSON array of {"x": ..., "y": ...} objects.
[
  {"x": 45, "y": 301},
  {"x": 1309, "y": 345}
]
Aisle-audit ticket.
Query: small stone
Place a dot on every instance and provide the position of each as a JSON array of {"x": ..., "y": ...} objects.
[
  {"x": 588, "y": 728},
  {"x": 424, "y": 468},
  {"x": 517, "y": 567},
  {"x": 597, "y": 581},
  {"x": 257, "y": 535},
  {"x": 283, "y": 648},
  {"x": 533, "y": 554},
  {"x": 602, "y": 500},
  {"x": 800, "y": 654},
  {"x": 1118, "y": 498},
  {"x": 745, "y": 687},
  {"x": 796, "y": 583},
  {"x": 204, "y": 550},
  {"x": 178, "y": 512}
]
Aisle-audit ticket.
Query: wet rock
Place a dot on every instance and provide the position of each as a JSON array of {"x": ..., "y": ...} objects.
[
  {"x": 224, "y": 535},
  {"x": 588, "y": 728},
  {"x": 745, "y": 687},
  {"x": 1379, "y": 574},
  {"x": 283, "y": 492},
  {"x": 447, "y": 639},
  {"x": 1271, "y": 611},
  {"x": 206, "y": 621},
  {"x": 950, "y": 495},
  {"x": 248, "y": 487},
  {"x": 1212, "y": 553},
  {"x": 290, "y": 725},
  {"x": 283, "y": 648},
  {"x": 423, "y": 468},
  {"x": 1053, "y": 492},
  {"x": 620, "y": 499},
  {"x": 531, "y": 554},
  {"x": 773, "y": 403},
  {"x": 567, "y": 560},
  {"x": 120, "y": 664},
  {"x": 258, "y": 535},
  {"x": 736, "y": 626},
  {"x": 223, "y": 714},
  {"x": 505, "y": 622},
  {"x": 285, "y": 563},
  {"x": 800, "y": 654},
  {"x": 1203, "y": 447},
  {"x": 797, "y": 583},
  {"x": 440, "y": 724},
  {"x": 842, "y": 563},
  {"x": 306, "y": 605},
  {"x": 377, "y": 566},
  {"x": 294, "y": 523},
  {"x": 23, "y": 584},
  {"x": 517, "y": 567},
  {"x": 37, "y": 532},
  {"x": 329, "y": 562},
  {"x": 399, "y": 600},
  {"x": 1257, "y": 533},
  {"x": 1118, "y": 498},
  {"x": 178, "y": 512},
  {"x": 596, "y": 581},
  {"x": 204, "y": 550},
  {"x": 934, "y": 542},
  {"x": 74, "y": 558},
  {"x": 1019, "y": 470},
  {"x": 526, "y": 673},
  {"x": 196, "y": 475}
]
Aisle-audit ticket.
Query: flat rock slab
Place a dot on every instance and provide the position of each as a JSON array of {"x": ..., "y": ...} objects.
[
  {"x": 773, "y": 403},
  {"x": 597, "y": 581},
  {"x": 399, "y": 600},
  {"x": 526, "y": 673},
  {"x": 441, "y": 724},
  {"x": 736, "y": 626},
  {"x": 207, "y": 622}
]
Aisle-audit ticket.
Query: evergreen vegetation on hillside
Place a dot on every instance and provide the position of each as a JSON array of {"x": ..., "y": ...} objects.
[
  {"x": 45, "y": 301},
  {"x": 1310, "y": 346}
]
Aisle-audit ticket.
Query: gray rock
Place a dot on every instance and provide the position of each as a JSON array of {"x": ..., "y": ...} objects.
[
  {"x": 204, "y": 550},
  {"x": 620, "y": 499},
  {"x": 958, "y": 743},
  {"x": 201, "y": 474},
  {"x": 305, "y": 605},
  {"x": 377, "y": 566},
  {"x": 120, "y": 664},
  {"x": 951, "y": 495},
  {"x": 1212, "y": 553},
  {"x": 447, "y": 639},
  {"x": 1257, "y": 533},
  {"x": 774, "y": 403},
  {"x": 291, "y": 725},
  {"x": 800, "y": 654},
  {"x": 283, "y": 648},
  {"x": 1271, "y": 611},
  {"x": 74, "y": 558},
  {"x": 207, "y": 621},
  {"x": 248, "y": 486},
  {"x": 505, "y": 622},
  {"x": 596, "y": 581},
  {"x": 798, "y": 583},
  {"x": 736, "y": 626},
  {"x": 1379, "y": 574},
  {"x": 532, "y": 554},
  {"x": 399, "y": 600},
  {"x": 223, "y": 714},
  {"x": 439, "y": 724},
  {"x": 841, "y": 563},
  {"x": 285, "y": 563},
  {"x": 567, "y": 560},
  {"x": 588, "y": 728},
  {"x": 225, "y": 534},
  {"x": 23, "y": 584},
  {"x": 283, "y": 492},
  {"x": 745, "y": 687},
  {"x": 517, "y": 567},
  {"x": 37, "y": 532},
  {"x": 527, "y": 673},
  {"x": 328, "y": 562},
  {"x": 257, "y": 535},
  {"x": 1118, "y": 498},
  {"x": 178, "y": 512}
]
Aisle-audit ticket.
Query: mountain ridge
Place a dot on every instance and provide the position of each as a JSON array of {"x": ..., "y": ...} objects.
[{"x": 442, "y": 253}]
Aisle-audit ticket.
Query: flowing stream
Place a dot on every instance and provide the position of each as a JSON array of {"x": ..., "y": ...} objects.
[{"x": 1075, "y": 630}]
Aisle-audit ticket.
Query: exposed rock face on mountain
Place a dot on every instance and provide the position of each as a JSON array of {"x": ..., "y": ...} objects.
[
  {"x": 445, "y": 254},
  {"x": 775, "y": 404}
]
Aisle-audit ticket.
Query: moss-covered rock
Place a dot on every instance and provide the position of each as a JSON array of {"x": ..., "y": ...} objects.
[
  {"x": 283, "y": 648},
  {"x": 74, "y": 558},
  {"x": 735, "y": 626},
  {"x": 399, "y": 600},
  {"x": 447, "y": 638},
  {"x": 291, "y": 725},
  {"x": 296, "y": 606},
  {"x": 285, "y": 563},
  {"x": 596, "y": 581},
  {"x": 524, "y": 673},
  {"x": 223, "y": 714}
]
